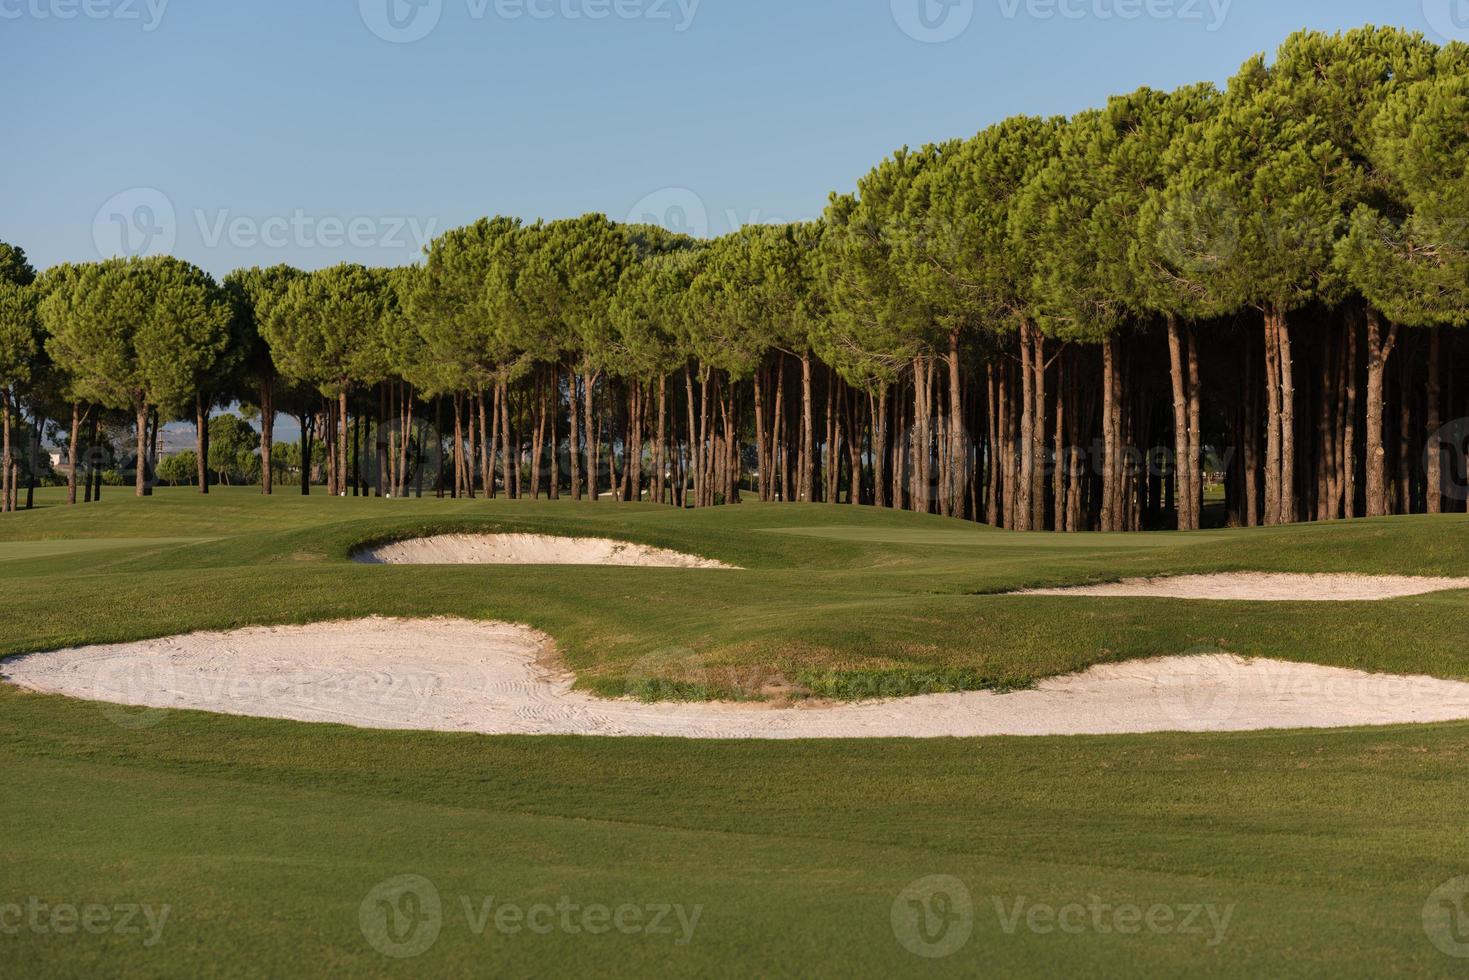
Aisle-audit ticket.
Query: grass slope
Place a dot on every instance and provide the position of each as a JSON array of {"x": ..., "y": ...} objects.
[{"x": 264, "y": 837}]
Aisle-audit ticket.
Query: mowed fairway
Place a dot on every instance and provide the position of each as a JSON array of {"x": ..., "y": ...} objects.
[{"x": 1248, "y": 854}]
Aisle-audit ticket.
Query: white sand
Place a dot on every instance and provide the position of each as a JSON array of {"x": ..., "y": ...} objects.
[
  {"x": 456, "y": 675},
  {"x": 1268, "y": 587},
  {"x": 527, "y": 549}
]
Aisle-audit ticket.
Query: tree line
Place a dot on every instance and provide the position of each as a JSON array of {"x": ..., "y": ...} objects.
[{"x": 1059, "y": 323}]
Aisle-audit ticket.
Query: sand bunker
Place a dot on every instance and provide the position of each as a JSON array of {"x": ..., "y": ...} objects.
[
  {"x": 1268, "y": 587},
  {"x": 461, "y": 676},
  {"x": 527, "y": 549}
]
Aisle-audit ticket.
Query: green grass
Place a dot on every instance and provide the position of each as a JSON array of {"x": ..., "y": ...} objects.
[{"x": 264, "y": 837}]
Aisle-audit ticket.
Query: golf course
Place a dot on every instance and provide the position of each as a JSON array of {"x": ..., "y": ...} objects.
[{"x": 196, "y": 840}]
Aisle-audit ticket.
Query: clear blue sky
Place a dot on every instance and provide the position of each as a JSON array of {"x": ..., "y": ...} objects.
[{"x": 267, "y": 126}]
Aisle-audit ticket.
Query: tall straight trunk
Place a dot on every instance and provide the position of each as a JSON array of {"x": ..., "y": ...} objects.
[
  {"x": 854, "y": 448},
  {"x": 267, "y": 436},
  {"x": 1038, "y": 432},
  {"x": 660, "y": 462},
  {"x": 1195, "y": 429},
  {"x": 992, "y": 448},
  {"x": 808, "y": 432},
  {"x": 880, "y": 449},
  {"x": 1182, "y": 453},
  {"x": 829, "y": 456},
  {"x": 1058, "y": 473},
  {"x": 201, "y": 441},
  {"x": 635, "y": 442},
  {"x": 780, "y": 467},
  {"x": 1273, "y": 497},
  {"x": 1433, "y": 421},
  {"x": 593, "y": 439},
  {"x": 537, "y": 438},
  {"x": 1349, "y": 426},
  {"x": 342, "y": 446},
  {"x": 1288, "y": 511},
  {"x": 959, "y": 462},
  {"x": 688, "y": 381},
  {"x": 1405, "y": 432},
  {"x": 458, "y": 454},
  {"x": 762, "y": 463},
  {"x": 573, "y": 436},
  {"x": 507, "y": 459},
  {"x": 380, "y": 481},
  {"x": 140, "y": 483},
  {"x": 7, "y": 470},
  {"x": 1379, "y": 349},
  {"x": 1110, "y": 502},
  {"x": 553, "y": 406},
  {"x": 73, "y": 449},
  {"x": 703, "y": 496},
  {"x": 486, "y": 444}
]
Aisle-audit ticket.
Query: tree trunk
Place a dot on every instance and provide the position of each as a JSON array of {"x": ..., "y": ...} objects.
[
  {"x": 1273, "y": 510},
  {"x": 573, "y": 437},
  {"x": 688, "y": 381},
  {"x": 73, "y": 450},
  {"x": 201, "y": 442},
  {"x": 1379, "y": 349},
  {"x": 880, "y": 449},
  {"x": 140, "y": 482},
  {"x": 808, "y": 432},
  {"x": 1433, "y": 421},
  {"x": 1181, "y": 451},
  {"x": 1349, "y": 426},
  {"x": 306, "y": 453},
  {"x": 1038, "y": 432},
  {"x": 593, "y": 440},
  {"x": 1288, "y": 510},
  {"x": 7, "y": 474}
]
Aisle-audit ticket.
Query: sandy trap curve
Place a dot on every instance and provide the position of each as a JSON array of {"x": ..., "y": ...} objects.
[
  {"x": 526, "y": 549},
  {"x": 1267, "y": 587},
  {"x": 456, "y": 675}
]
